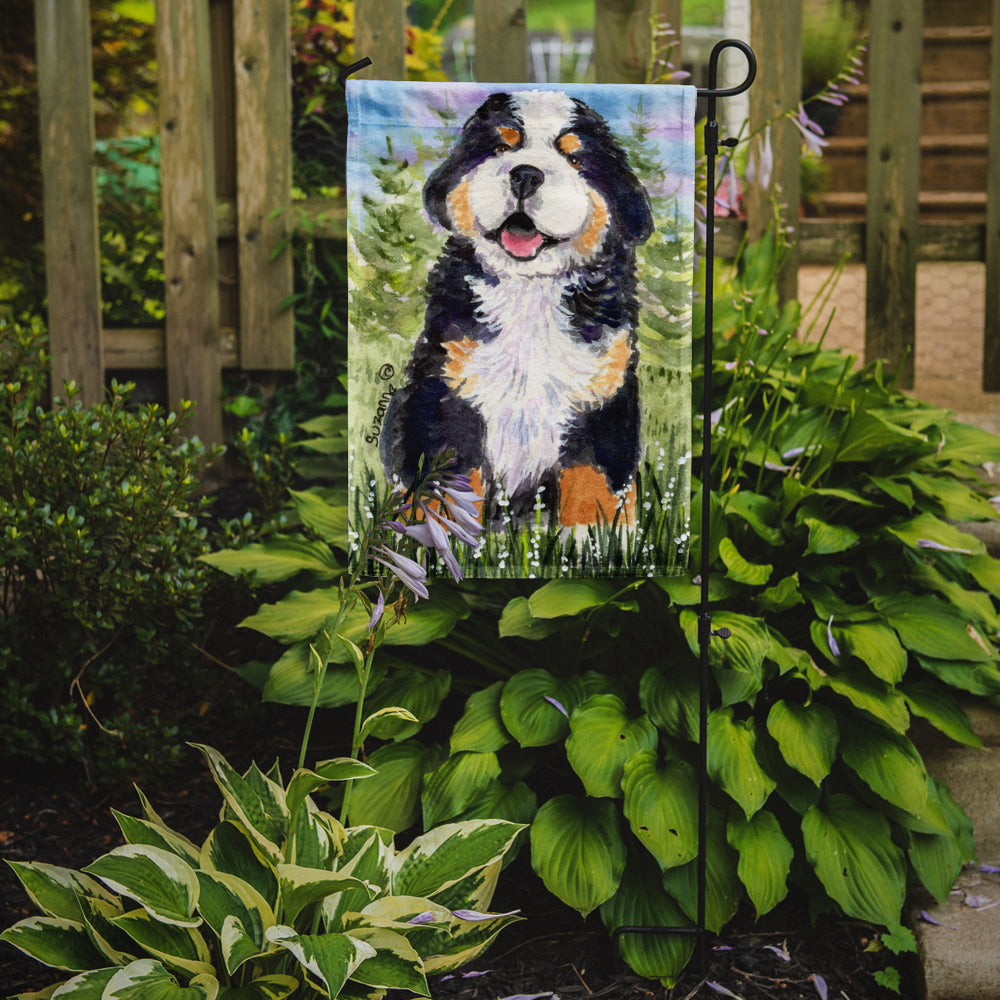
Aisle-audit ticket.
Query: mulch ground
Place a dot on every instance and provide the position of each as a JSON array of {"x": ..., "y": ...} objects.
[{"x": 550, "y": 953}]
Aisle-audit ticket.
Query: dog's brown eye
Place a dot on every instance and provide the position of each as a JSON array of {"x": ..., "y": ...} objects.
[{"x": 574, "y": 161}]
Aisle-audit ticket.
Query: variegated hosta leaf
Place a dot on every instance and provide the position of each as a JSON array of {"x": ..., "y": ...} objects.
[
  {"x": 315, "y": 838},
  {"x": 300, "y": 887},
  {"x": 177, "y": 947},
  {"x": 329, "y": 959},
  {"x": 367, "y": 853},
  {"x": 468, "y": 939},
  {"x": 149, "y": 980},
  {"x": 476, "y": 890},
  {"x": 230, "y": 849},
  {"x": 765, "y": 858},
  {"x": 54, "y": 941},
  {"x": 807, "y": 736},
  {"x": 441, "y": 857},
  {"x": 116, "y": 947},
  {"x": 661, "y": 799},
  {"x": 602, "y": 737},
  {"x": 732, "y": 760},
  {"x": 275, "y": 987},
  {"x": 456, "y": 784},
  {"x": 642, "y": 902},
  {"x": 395, "y": 964},
  {"x": 225, "y": 897},
  {"x": 56, "y": 891},
  {"x": 158, "y": 880},
  {"x": 481, "y": 727},
  {"x": 256, "y": 801},
  {"x": 850, "y": 847},
  {"x": 141, "y": 831},
  {"x": 87, "y": 986},
  {"x": 578, "y": 851},
  {"x": 304, "y": 782}
]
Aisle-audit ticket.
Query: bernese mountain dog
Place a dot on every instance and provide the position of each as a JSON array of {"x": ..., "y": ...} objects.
[{"x": 526, "y": 367}]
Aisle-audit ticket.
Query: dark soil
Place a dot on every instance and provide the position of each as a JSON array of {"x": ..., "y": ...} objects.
[{"x": 551, "y": 952}]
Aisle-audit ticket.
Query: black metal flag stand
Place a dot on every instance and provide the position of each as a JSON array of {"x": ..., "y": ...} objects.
[{"x": 705, "y": 630}]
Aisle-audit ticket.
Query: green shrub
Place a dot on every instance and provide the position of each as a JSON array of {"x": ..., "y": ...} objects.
[
  {"x": 854, "y": 604},
  {"x": 99, "y": 540},
  {"x": 279, "y": 900}
]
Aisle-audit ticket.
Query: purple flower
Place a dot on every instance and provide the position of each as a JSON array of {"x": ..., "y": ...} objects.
[
  {"x": 927, "y": 543},
  {"x": 719, "y": 988},
  {"x": 427, "y": 917},
  {"x": 558, "y": 705},
  {"x": 834, "y": 648},
  {"x": 410, "y": 573},
  {"x": 475, "y": 915},
  {"x": 811, "y": 132},
  {"x": 820, "y": 983},
  {"x": 377, "y": 612},
  {"x": 761, "y": 163}
]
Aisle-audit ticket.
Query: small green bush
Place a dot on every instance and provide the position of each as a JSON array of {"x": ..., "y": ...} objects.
[{"x": 100, "y": 583}]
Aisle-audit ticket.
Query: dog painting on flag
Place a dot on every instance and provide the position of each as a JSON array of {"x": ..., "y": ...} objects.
[{"x": 520, "y": 277}]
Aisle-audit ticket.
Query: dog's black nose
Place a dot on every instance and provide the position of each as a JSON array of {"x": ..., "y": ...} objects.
[{"x": 525, "y": 180}]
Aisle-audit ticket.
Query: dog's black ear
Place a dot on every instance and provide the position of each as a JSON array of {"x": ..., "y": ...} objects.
[
  {"x": 436, "y": 190},
  {"x": 633, "y": 211}
]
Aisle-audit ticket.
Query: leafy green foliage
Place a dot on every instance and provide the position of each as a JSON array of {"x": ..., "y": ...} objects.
[
  {"x": 279, "y": 899},
  {"x": 101, "y": 587}
]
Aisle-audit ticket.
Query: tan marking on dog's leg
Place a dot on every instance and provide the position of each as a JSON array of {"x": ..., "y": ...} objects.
[
  {"x": 611, "y": 376},
  {"x": 461, "y": 211},
  {"x": 584, "y": 498},
  {"x": 453, "y": 370},
  {"x": 586, "y": 242}
]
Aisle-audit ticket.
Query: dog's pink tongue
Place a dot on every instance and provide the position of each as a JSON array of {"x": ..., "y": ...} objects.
[{"x": 521, "y": 244}]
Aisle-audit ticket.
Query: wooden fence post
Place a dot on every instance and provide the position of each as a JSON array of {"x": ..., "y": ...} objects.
[
  {"x": 262, "y": 61},
  {"x": 776, "y": 35},
  {"x": 991, "y": 332},
  {"x": 623, "y": 37},
  {"x": 501, "y": 41},
  {"x": 72, "y": 255},
  {"x": 190, "y": 251},
  {"x": 380, "y": 34},
  {"x": 892, "y": 215}
]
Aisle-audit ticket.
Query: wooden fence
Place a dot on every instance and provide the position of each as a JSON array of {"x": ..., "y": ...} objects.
[{"x": 226, "y": 161}]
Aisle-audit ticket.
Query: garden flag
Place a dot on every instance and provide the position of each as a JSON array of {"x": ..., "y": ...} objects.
[{"x": 520, "y": 265}]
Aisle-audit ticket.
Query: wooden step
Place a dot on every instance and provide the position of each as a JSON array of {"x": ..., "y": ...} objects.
[
  {"x": 958, "y": 206},
  {"x": 956, "y": 53},
  {"x": 940, "y": 13},
  {"x": 947, "y": 163}
]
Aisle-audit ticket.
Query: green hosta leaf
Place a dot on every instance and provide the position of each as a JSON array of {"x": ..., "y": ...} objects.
[
  {"x": 559, "y": 598},
  {"x": 602, "y": 738},
  {"x": 395, "y": 964},
  {"x": 327, "y": 520},
  {"x": 850, "y": 847},
  {"x": 661, "y": 798},
  {"x": 225, "y": 897},
  {"x": 937, "y": 859},
  {"x": 304, "y": 782},
  {"x": 986, "y": 572},
  {"x": 438, "y": 859},
  {"x": 159, "y": 881},
  {"x": 391, "y": 798},
  {"x": 760, "y": 512},
  {"x": 517, "y": 620},
  {"x": 807, "y": 736},
  {"x": 685, "y": 592},
  {"x": 54, "y": 941},
  {"x": 56, "y": 891},
  {"x": 765, "y": 858},
  {"x": 641, "y": 901},
  {"x": 828, "y": 539},
  {"x": 535, "y": 706},
  {"x": 301, "y": 887},
  {"x": 671, "y": 699},
  {"x": 893, "y": 488},
  {"x": 723, "y": 889},
  {"x": 279, "y": 558},
  {"x": 330, "y": 959},
  {"x": 141, "y": 831},
  {"x": 732, "y": 760},
  {"x": 751, "y": 574},
  {"x": 738, "y": 661},
  {"x": 260, "y": 809},
  {"x": 274, "y": 987},
  {"x": 870, "y": 436},
  {"x": 927, "y": 528},
  {"x": 965, "y": 443},
  {"x": 975, "y": 605},
  {"x": 456, "y": 784},
  {"x": 481, "y": 728},
  {"x": 516, "y": 803},
  {"x": 876, "y": 646},
  {"x": 956, "y": 500},
  {"x": 292, "y": 679},
  {"x": 888, "y": 763},
  {"x": 783, "y": 595},
  {"x": 941, "y": 709},
  {"x": 231, "y": 850},
  {"x": 866, "y": 692},
  {"x": 931, "y": 628},
  {"x": 147, "y": 979},
  {"x": 578, "y": 851},
  {"x": 177, "y": 947},
  {"x": 415, "y": 689},
  {"x": 976, "y": 678}
]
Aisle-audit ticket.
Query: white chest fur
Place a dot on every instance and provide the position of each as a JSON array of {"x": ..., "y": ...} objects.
[{"x": 533, "y": 377}]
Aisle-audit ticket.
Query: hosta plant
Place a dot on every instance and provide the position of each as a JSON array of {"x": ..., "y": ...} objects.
[{"x": 279, "y": 900}]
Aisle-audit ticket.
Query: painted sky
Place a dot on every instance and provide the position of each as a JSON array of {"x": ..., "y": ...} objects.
[{"x": 406, "y": 110}]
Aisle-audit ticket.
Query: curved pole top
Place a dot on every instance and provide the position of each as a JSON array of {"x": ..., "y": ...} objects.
[{"x": 713, "y": 69}]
